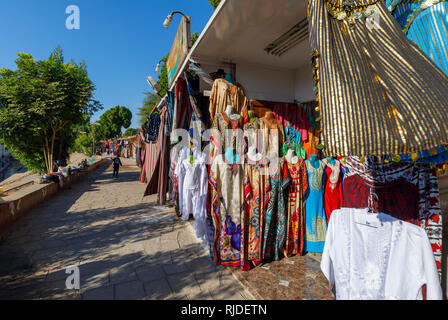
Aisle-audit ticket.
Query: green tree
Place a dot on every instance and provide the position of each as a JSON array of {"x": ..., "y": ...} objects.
[
  {"x": 84, "y": 144},
  {"x": 162, "y": 81},
  {"x": 194, "y": 37},
  {"x": 149, "y": 103},
  {"x": 130, "y": 132},
  {"x": 214, "y": 3},
  {"x": 112, "y": 121},
  {"x": 40, "y": 104}
]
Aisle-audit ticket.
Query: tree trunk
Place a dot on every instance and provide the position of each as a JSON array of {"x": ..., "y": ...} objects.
[
  {"x": 60, "y": 145},
  {"x": 46, "y": 154}
]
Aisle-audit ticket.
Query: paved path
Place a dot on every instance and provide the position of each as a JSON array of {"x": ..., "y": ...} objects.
[{"x": 125, "y": 247}]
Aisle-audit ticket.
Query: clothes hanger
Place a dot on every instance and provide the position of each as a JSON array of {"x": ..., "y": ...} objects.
[{"x": 370, "y": 202}]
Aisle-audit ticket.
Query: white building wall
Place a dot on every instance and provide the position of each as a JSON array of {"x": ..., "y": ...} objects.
[
  {"x": 262, "y": 83},
  {"x": 304, "y": 84},
  {"x": 265, "y": 83}
]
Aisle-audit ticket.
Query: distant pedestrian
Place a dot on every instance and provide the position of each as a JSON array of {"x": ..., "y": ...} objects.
[{"x": 117, "y": 163}]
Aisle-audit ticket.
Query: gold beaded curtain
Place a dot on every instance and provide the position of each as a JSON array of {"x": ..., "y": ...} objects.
[{"x": 378, "y": 94}]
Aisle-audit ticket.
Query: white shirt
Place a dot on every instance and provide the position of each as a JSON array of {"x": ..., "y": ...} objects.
[
  {"x": 375, "y": 257},
  {"x": 193, "y": 187}
]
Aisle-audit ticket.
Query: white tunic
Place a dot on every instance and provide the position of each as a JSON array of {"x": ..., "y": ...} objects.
[
  {"x": 193, "y": 186},
  {"x": 375, "y": 257}
]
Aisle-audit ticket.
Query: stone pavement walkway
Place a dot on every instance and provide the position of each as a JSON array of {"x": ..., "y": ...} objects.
[{"x": 125, "y": 247}]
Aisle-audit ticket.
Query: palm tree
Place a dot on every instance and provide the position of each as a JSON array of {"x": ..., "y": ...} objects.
[{"x": 149, "y": 103}]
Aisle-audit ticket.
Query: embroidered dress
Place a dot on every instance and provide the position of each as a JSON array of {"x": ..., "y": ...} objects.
[
  {"x": 276, "y": 222},
  {"x": 377, "y": 257},
  {"x": 251, "y": 132},
  {"x": 255, "y": 195},
  {"x": 333, "y": 189},
  {"x": 271, "y": 138},
  {"x": 228, "y": 134},
  {"x": 224, "y": 94},
  {"x": 315, "y": 220},
  {"x": 407, "y": 192},
  {"x": 296, "y": 207},
  {"x": 227, "y": 210}
]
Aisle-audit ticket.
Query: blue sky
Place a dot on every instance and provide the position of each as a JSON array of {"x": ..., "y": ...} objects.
[{"x": 121, "y": 41}]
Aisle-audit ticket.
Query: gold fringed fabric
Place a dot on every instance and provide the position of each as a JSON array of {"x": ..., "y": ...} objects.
[{"x": 377, "y": 92}]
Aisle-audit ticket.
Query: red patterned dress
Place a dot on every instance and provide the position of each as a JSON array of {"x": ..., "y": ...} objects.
[
  {"x": 296, "y": 207},
  {"x": 256, "y": 176},
  {"x": 333, "y": 189}
]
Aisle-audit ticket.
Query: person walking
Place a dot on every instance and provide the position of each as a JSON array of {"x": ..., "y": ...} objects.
[{"x": 117, "y": 163}]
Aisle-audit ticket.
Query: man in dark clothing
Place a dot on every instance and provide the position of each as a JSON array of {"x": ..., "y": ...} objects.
[{"x": 117, "y": 163}]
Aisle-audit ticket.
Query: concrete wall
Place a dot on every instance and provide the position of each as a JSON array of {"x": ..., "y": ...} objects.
[{"x": 21, "y": 202}]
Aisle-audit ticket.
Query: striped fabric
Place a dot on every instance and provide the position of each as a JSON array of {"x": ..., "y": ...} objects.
[
  {"x": 152, "y": 154},
  {"x": 378, "y": 93},
  {"x": 428, "y": 29}
]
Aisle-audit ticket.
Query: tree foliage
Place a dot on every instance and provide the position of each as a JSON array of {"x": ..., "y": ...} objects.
[
  {"x": 112, "y": 121},
  {"x": 40, "y": 104},
  {"x": 130, "y": 132},
  {"x": 83, "y": 143},
  {"x": 149, "y": 103},
  {"x": 194, "y": 37},
  {"x": 163, "y": 78},
  {"x": 214, "y": 3}
]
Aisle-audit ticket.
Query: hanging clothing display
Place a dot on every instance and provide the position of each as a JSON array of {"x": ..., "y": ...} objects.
[
  {"x": 192, "y": 188},
  {"x": 156, "y": 158},
  {"x": 377, "y": 257},
  {"x": 272, "y": 136},
  {"x": 228, "y": 136},
  {"x": 263, "y": 190},
  {"x": 252, "y": 134},
  {"x": 405, "y": 191},
  {"x": 294, "y": 118},
  {"x": 182, "y": 110},
  {"x": 228, "y": 210},
  {"x": 256, "y": 174},
  {"x": 152, "y": 130},
  {"x": 378, "y": 93},
  {"x": 425, "y": 24},
  {"x": 224, "y": 94},
  {"x": 298, "y": 186},
  {"x": 315, "y": 219},
  {"x": 311, "y": 144},
  {"x": 276, "y": 222},
  {"x": 333, "y": 188},
  {"x": 197, "y": 124}
]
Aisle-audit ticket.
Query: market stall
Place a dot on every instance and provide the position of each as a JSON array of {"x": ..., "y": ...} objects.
[{"x": 285, "y": 115}]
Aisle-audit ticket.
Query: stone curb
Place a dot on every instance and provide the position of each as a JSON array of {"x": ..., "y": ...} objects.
[{"x": 21, "y": 202}]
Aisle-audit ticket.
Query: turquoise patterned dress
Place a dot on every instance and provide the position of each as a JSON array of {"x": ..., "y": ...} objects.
[
  {"x": 315, "y": 220},
  {"x": 274, "y": 236}
]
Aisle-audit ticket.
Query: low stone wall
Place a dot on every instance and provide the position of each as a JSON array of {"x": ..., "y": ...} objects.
[{"x": 21, "y": 202}]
